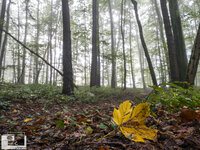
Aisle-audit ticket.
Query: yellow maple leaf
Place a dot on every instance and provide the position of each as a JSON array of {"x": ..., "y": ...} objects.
[
  {"x": 123, "y": 114},
  {"x": 131, "y": 120}
]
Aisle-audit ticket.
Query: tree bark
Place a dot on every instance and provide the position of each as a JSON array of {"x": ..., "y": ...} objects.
[
  {"x": 179, "y": 39},
  {"x": 153, "y": 76},
  {"x": 194, "y": 59},
  {"x": 68, "y": 86},
  {"x": 174, "y": 73},
  {"x": 95, "y": 74}
]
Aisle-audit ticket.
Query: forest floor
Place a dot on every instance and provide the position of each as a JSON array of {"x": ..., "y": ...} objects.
[{"x": 78, "y": 125}]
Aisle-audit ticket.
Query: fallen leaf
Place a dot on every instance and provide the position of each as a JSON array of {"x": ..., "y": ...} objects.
[
  {"x": 131, "y": 120},
  {"x": 188, "y": 115},
  {"x": 27, "y": 120}
]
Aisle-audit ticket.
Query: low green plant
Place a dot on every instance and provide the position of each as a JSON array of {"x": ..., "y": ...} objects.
[
  {"x": 175, "y": 96},
  {"x": 87, "y": 94},
  {"x": 48, "y": 93}
]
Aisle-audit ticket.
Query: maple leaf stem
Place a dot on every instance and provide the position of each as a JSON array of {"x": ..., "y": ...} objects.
[{"x": 105, "y": 136}]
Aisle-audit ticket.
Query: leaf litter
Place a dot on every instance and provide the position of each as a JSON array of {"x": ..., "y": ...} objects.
[{"x": 79, "y": 126}]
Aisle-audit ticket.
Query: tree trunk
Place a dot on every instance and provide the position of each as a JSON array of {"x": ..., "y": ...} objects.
[
  {"x": 174, "y": 73},
  {"x": 50, "y": 47},
  {"x": 3, "y": 11},
  {"x": 131, "y": 57},
  {"x": 68, "y": 86},
  {"x": 194, "y": 59},
  {"x": 37, "y": 43},
  {"x": 3, "y": 50},
  {"x": 113, "y": 78},
  {"x": 179, "y": 39},
  {"x": 22, "y": 81},
  {"x": 95, "y": 74},
  {"x": 18, "y": 45},
  {"x": 141, "y": 62},
  {"x": 123, "y": 42},
  {"x": 153, "y": 76},
  {"x": 47, "y": 67},
  {"x": 161, "y": 30}
]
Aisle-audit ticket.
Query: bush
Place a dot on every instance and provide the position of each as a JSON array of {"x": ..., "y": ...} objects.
[{"x": 176, "y": 96}]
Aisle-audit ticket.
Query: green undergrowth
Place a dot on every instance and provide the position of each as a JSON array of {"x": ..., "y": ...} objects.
[
  {"x": 175, "y": 97},
  {"x": 49, "y": 93}
]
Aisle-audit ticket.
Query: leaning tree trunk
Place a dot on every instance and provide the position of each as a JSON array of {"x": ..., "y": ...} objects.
[
  {"x": 174, "y": 73},
  {"x": 194, "y": 59},
  {"x": 179, "y": 39},
  {"x": 153, "y": 76},
  {"x": 68, "y": 86}
]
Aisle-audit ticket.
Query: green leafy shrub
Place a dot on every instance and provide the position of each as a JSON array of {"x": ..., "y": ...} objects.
[{"x": 176, "y": 96}]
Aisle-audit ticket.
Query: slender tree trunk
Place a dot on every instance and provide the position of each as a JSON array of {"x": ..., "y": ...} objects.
[
  {"x": 141, "y": 61},
  {"x": 37, "y": 43},
  {"x": 85, "y": 61},
  {"x": 123, "y": 42},
  {"x": 3, "y": 50},
  {"x": 50, "y": 48},
  {"x": 94, "y": 78},
  {"x": 174, "y": 73},
  {"x": 98, "y": 49},
  {"x": 161, "y": 31},
  {"x": 4, "y": 64},
  {"x": 103, "y": 66},
  {"x": 108, "y": 73},
  {"x": 14, "y": 66},
  {"x": 194, "y": 59},
  {"x": 3, "y": 11},
  {"x": 179, "y": 39},
  {"x": 47, "y": 67},
  {"x": 113, "y": 78},
  {"x": 30, "y": 69},
  {"x": 131, "y": 57},
  {"x": 18, "y": 46},
  {"x": 68, "y": 86},
  {"x": 160, "y": 57},
  {"x": 24, "y": 51},
  {"x": 153, "y": 76}
]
